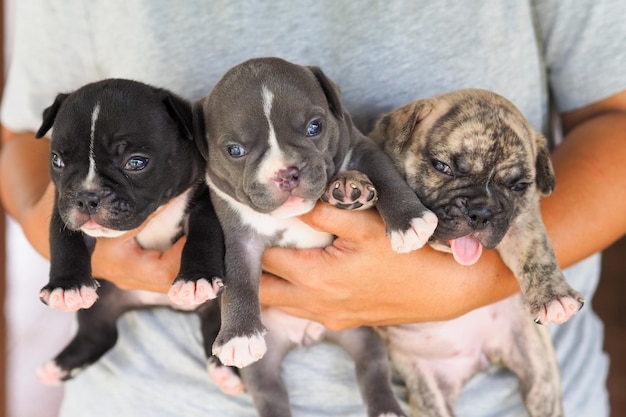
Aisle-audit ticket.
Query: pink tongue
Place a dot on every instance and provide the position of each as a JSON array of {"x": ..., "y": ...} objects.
[{"x": 466, "y": 250}]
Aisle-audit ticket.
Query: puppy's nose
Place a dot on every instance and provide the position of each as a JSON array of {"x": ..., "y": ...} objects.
[
  {"x": 287, "y": 178},
  {"x": 88, "y": 202},
  {"x": 479, "y": 217}
]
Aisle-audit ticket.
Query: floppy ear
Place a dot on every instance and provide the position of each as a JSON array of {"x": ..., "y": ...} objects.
[
  {"x": 331, "y": 91},
  {"x": 394, "y": 129},
  {"x": 180, "y": 111},
  {"x": 199, "y": 129},
  {"x": 49, "y": 114},
  {"x": 545, "y": 172}
]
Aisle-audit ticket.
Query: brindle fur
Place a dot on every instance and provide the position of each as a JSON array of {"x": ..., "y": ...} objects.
[{"x": 499, "y": 167}]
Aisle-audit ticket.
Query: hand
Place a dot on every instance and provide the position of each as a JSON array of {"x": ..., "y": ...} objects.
[
  {"x": 360, "y": 280},
  {"x": 123, "y": 262}
]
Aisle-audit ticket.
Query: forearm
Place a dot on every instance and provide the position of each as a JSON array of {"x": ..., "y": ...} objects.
[
  {"x": 28, "y": 195},
  {"x": 25, "y": 188},
  {"x": 360, "y": 281},
  {"x": 585, "y": 214}
]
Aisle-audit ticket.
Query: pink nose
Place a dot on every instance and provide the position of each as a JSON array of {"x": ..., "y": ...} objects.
[{"x": 287, "y": 178}]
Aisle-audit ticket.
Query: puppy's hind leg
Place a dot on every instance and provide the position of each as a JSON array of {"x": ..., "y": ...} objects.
[
  {"x": 97, "y": 333},
  {"x": 427, "y": 396},
  {"x": 531, "y": 357},
  {"x": 225, "y": 377},
  {"x": 264, "y": 382},
  {"x": 372, "y": 368}
]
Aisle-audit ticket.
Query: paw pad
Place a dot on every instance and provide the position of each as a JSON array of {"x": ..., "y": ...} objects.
[{"x": 351, "y": 190}]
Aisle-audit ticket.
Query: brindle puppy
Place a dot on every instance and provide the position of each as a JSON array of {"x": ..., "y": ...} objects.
[{"x": 474, "y": 160}]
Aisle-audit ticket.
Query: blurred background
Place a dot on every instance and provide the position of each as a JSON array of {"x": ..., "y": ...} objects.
[{"x": 32, "y": 333}]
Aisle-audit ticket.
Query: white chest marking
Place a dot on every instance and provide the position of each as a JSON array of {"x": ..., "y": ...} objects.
[
  {"x": 273, "y": 160},
  {"x": 293, "y": 232},
  {"x": 163, "y": 227},
  {"x": 91, "y": 175}
]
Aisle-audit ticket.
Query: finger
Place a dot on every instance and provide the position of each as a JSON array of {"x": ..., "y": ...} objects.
[
  {"x": 359, "y": 225},
  {"x": 289, "y": 263},
  {"x": 276, "y": 292}
]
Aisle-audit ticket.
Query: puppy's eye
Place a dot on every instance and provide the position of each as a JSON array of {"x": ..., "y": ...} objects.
[
  {"x": 236, "y": 151},
  {"x": 136, "y": 163},
  {"x": 56, "y": 160},
  {"x": 314, "y": 128},
  {"x": 520, "y": 186},
  {"x": 442, "y": 167}
]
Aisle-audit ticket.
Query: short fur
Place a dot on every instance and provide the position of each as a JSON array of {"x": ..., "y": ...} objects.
[
  {"x": 123, "y": 156},
  {"x": 475, "y": 161},
  {"x": 276, "y": 136}
]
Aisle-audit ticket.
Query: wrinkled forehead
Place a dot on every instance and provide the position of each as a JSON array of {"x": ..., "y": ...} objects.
[
  {"x": 247, "y": 100},
  {"x": 479, "y": 136},
  {"x": 479, "y": 126}
]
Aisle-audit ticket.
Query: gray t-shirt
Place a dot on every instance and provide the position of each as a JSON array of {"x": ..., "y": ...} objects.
[{"x": 382, "y": 54}]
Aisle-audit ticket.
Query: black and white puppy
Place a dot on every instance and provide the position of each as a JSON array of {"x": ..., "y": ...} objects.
[
  {"x": 276, "y": 135},
  {"x": 122, "y": 157}
]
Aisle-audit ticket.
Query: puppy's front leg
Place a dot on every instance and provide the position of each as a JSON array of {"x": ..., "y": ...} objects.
[
  {"x": 527, "y": 251},
  {"x": 202, "y": 263},
  {"x": 409, "y": 223},
  {"x": 71, "y": 285},
  {"x": 240, "y": 341}
]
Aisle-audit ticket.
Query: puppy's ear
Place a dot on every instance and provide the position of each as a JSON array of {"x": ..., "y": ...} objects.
[
  {"x": 49, "y": 114},
  {"x": 180, "y": 111},
  {"x": 199, "y": 128},
  {"x": 395, "y": 129},
  {"x": 330, "y": 90},
  {"x": 545, "y": 172}
]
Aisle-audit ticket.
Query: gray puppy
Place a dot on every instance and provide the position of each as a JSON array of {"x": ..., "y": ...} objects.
[
  {"x": 476, "y": 162},
  {"x": 277, "y": 134}
]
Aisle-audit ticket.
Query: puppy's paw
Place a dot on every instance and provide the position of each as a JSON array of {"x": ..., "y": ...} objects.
[
  {"x": 241, "y": 351},
  {"x": 351, "y": 190},
  {"x": 420, "y": 230},
  {"x": 51, "y": 374},
  {"x": 70, "y": 299},
  {"x": 184, "y": 293},
  {"x": 559, "y": 310},
  {"x": 226, "y": 378}
]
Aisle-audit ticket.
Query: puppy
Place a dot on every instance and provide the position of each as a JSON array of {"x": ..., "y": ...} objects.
[
  {"x": 123, "y": 157},
  {"x": 276, "y": 134},
  {"x": 476, "y": 162}
]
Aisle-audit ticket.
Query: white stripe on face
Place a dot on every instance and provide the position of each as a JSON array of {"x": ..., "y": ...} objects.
[
  {"x": 273, "y": 160},
  {"x": 91, "y": 175}
]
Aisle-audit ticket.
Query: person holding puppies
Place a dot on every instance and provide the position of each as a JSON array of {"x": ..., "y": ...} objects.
[{"x": 567, "y": 56}]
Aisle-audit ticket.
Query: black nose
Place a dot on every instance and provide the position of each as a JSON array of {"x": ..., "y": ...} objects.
[
  {"x": 287, "y": 178},
  {"x": 479, "y": 217},
  {"x": 88, "y": 202}
]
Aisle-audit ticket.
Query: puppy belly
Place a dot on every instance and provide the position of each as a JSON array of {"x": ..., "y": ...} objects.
[
  {"x": 300, "y": 332},
  {"x": 455, "y": 348},
  {"x": 152, "y": 299}
]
